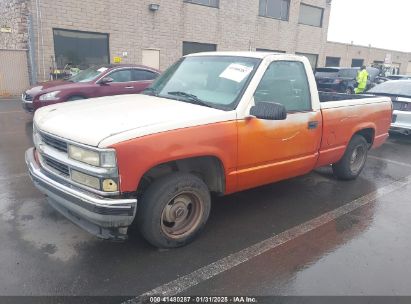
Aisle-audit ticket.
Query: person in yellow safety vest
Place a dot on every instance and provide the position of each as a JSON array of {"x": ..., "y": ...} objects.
[{"x": 362, "y": 78}]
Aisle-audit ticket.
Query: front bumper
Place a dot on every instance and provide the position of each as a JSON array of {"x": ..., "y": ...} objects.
[
  {"x": 401, "y": 122},
  {"x": 27, "y": 105},
  {"x": 106, "y": 218}
]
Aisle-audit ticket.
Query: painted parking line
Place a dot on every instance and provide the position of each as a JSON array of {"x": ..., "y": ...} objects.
[
  {"x": 390, "y": 161},
  {"x": 207, "y": 272}
]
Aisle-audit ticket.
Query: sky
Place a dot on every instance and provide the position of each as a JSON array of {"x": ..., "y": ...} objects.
[{"x": 381, "y": 23}]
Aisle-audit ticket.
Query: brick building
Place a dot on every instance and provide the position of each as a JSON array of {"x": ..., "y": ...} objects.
[
  {"x": 355, "y": 55},
  {"x": 158, "y": 32}
]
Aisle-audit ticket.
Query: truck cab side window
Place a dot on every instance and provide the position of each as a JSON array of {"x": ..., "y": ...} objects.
[{"x": 285, "y": 82}]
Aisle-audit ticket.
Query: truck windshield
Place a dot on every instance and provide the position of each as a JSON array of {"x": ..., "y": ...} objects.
[{"x": 213, "y": 81}]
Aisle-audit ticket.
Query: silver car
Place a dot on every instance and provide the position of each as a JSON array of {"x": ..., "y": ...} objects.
[{"x": 400, "y": 93}]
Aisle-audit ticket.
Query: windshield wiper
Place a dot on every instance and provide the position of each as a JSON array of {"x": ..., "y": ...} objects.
[{"x": 190, "y": 98}]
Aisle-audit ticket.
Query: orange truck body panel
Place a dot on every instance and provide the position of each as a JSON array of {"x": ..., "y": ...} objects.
[
  {"x": 255, "y": 152},
  {"x": 340, "y": 124},
  {"x": 219, "y": 140}
]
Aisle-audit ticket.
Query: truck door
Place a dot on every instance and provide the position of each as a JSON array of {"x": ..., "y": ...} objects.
[{"x": 270, "y": 151}]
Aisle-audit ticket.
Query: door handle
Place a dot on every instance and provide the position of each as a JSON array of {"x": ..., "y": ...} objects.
[
  {"x": 312, "y": 125},
  {"x": 129, "y": 87}
]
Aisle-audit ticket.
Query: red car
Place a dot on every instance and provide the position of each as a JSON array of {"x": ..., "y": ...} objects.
[{"x": 94, "y": 82}]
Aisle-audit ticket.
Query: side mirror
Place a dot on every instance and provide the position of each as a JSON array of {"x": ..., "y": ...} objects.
[
  {"x": 269, "y": 111},
  {"x": 105, "y": 80}
]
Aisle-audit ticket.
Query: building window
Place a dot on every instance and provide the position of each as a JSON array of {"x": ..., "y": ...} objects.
[
  {"x": 195, "y": 47},
  {"x": 278, "y": 9},
  {"x": 268, "y": 50},
  {"x": 80, "y": 49},
  {"x": 212, "y": 3},
  {"x": 311, "y": 15},
  {"x": 357, "y": 63},
  {"x": 313, "y": 58},
  {"x": 332, "y": 61}
]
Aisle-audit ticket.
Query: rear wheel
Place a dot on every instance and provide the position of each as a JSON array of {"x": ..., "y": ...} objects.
[
  {"x": 349, "y": 91},
  {"x": 173, "y": 210},
  {"x": 353, "y": 161}
]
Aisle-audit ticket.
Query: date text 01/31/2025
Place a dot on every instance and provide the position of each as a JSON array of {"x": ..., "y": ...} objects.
[{"x": 200, "y": 299}]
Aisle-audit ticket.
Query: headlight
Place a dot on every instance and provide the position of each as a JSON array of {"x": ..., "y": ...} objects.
[
  {"x": 107, "y": 185},
  {"x": 106, "y": 159},
  {"x": 50, "y": 96},
  {"x": 85, "y": 179}
]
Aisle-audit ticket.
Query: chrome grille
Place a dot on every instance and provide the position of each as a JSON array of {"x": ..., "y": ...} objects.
[
  {"x": 61, "y": 168},
  {"x": 401, "y": 106},
  {"x": 54, "y": 142}
]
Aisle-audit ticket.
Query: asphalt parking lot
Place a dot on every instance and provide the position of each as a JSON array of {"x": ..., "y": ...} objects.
[{"x": 311, "y": 235}]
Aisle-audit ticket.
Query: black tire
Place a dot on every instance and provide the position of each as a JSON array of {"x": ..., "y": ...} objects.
[
  {"x": 353, "y": 161},
  {"x": 349, "y": 91},
  {"x": 73, "y": 98},
  {"x": 170, "y": 198}
]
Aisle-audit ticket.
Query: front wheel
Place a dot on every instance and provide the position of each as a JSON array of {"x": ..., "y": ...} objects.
[
  {"x": 173, "y": 210},
  {"x": 353, "y": 161}
]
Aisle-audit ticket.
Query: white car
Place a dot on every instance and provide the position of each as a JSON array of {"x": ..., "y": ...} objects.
[{"x": 400, "y": 93}]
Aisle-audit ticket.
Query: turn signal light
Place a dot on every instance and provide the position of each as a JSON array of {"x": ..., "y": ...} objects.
[{"x": 109, "y": 185}]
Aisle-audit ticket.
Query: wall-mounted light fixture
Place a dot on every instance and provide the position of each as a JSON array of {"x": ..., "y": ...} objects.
[{"x": 154, "y": 7}]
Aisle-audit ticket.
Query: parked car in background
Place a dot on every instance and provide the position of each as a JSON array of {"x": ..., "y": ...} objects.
[
  {"x": 342, "y": 80},
  {"x": 400, "y": 93},
  {"x": 399, "y": 77},
  {"x": 381, "y": 79},
  {"x": 104, "y": 80}
]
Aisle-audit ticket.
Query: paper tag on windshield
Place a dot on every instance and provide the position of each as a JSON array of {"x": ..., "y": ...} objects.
[
  {"x": 102, "y": 70},
  {"x": 236, "y": 72}
]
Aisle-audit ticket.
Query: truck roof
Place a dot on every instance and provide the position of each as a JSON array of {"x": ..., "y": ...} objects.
[{"x": 259, "y": 55}]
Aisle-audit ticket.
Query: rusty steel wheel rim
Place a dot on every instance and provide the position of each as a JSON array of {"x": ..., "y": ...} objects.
[
  {"x": 357, "y": 158},
  {"x": 182, "y": 215}
]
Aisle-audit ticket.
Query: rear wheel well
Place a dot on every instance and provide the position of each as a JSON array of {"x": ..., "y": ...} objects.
[
  {"x": 207, "y": 168},
  {"x": 368, "y": 134}
]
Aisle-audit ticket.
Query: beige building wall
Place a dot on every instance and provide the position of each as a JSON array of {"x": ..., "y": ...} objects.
[
  {"x": 132, "y": 27},
  {"x": 347, "y": 52},
  {"x": 13, "y": 24},
  {"x": 14, "y": 77}
]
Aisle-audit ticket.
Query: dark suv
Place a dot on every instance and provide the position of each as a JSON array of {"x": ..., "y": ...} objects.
[{"x": 342, "y": 80}]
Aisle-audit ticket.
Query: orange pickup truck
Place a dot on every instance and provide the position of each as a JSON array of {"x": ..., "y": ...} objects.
[{"x": 212, "y": 123}]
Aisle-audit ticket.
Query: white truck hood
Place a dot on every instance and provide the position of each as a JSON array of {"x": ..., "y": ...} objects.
[{"x": 102, "y": 122}]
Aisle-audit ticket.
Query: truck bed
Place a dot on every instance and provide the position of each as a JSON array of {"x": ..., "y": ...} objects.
[
  {"x": 345, "y": 116},
  {"x": 329, "y": 96}
]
